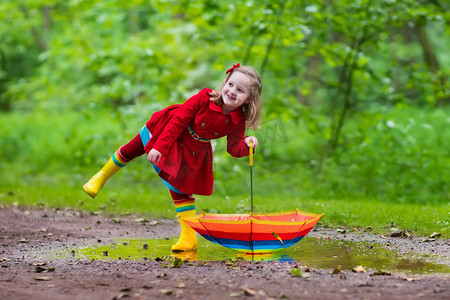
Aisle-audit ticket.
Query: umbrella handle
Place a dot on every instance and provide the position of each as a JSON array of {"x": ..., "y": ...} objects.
[{"x": 251, "y": 153}]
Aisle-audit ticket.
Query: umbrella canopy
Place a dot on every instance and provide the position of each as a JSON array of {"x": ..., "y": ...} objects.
[{"x": 256, "y": 232}]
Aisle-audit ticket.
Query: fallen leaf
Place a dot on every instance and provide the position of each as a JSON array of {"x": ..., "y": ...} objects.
[
  {"x": 395, "y": 232},
  {"x": 120, "y": 296},
  {"x": 235, "y": 294},
  {"x": 248, "y": 292},
  {"x": 435, "y": 235},
  {"x": 39, "y": 263},
  {"x": 411, "y": 279},
  {"x": 278, "y": 238},
  {"x": 296, "y": 272},
  {"x": 359, "y": 269},
  {"x": 39, "y": 269},
  {"x": 177, "y": 262},
  {"x": 337, "y": 270},
  {"x": 43, "y": 278},
  {"x": 166, "y": 292},
  {"x": 262, "y": 293},
  {"x": 380, "y": 273},
  {"x": 428, "y": 240},
  {"x": 140, "y": 220},
  {"x": 365, "y": 284},
  {"x": 181, "y": 285},
  {"x": 23, "y": 241}
]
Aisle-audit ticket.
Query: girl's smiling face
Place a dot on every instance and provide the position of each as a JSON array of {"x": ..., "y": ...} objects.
[{"x": 235, "y": 92}]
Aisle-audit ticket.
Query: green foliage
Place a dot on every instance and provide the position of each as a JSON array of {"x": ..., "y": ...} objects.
[{"x": 89, "y": 54}]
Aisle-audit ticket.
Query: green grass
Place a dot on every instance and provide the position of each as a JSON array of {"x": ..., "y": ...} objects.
[{"x": 116, "y": 199}]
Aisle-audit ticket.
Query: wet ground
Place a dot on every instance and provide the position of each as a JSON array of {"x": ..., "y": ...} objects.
[{"x": 64, "y": 254}]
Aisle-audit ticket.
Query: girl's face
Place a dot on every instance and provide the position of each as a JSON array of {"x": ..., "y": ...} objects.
[{"x": 235, "y": 92}]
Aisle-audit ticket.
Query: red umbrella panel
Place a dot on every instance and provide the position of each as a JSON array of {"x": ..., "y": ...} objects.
[{"x": 260, "y": 233}]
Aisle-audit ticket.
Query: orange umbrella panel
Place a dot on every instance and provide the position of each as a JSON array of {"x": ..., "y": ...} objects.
[{"x": 260, "y": 233}]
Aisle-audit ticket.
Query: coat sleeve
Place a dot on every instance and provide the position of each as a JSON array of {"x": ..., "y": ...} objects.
[
  {"x": 235, "y": 142},
  {"x": 179, "y": 122}
]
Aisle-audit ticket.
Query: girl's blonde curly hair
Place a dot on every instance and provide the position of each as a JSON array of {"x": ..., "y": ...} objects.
[{"x": 252, "y": 107}]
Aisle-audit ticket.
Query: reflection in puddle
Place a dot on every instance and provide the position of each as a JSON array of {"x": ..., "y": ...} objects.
[{"x": 322, "y": 255}]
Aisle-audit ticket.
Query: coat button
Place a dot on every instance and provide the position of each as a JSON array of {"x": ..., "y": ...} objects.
[
  {"x": 226, "y": 121},
  {"x": 203, "y": 124},
  {"x": 193, "y": 153},
  {"x": 216, "y": 134}
]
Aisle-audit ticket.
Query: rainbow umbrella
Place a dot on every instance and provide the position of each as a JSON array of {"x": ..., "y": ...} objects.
[
  {"x": 260, "y": 233},
  {"x": 254, "y": 232}
]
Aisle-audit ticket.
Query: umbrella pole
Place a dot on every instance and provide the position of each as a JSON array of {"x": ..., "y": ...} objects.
[
  {"x": 251, "y": 193},
  {"x": 251, "y": 177}
]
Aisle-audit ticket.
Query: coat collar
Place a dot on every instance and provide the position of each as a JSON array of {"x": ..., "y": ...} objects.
[{"x": 236, "y": 115}]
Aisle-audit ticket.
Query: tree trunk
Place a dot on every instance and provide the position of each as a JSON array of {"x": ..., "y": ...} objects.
[
  {"x": 431, "y": 62},
  {"x": 427, "y": 50}
]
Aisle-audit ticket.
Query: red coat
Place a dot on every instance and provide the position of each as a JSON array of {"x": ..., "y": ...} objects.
[{"x": 188, "y": 162}]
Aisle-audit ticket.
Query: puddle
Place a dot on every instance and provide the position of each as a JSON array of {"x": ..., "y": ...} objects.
[{"x": 321, "y": 255}]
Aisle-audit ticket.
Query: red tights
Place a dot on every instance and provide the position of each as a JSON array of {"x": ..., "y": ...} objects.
[{"x": 133, "y": 149}]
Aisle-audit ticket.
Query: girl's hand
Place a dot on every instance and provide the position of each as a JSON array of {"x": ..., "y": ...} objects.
[
  {"x": 154, "y": 156},
  {"x": 253, "y": 139}
]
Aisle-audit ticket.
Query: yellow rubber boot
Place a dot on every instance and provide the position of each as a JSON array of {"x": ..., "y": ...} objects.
[
  {"x": 188, "y": 239},
  {"x": 114, "y": 164}
]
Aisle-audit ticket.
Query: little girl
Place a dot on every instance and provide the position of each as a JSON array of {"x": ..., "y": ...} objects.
[{"x": 177, "y": 142}]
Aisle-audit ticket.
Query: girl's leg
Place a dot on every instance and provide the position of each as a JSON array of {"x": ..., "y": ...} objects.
[
  {"x": 118, "y": 160},
  {"x": 185, "y": 207}
]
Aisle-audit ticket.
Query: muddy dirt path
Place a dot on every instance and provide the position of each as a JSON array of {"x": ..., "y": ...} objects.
[{"x": 28, "y": 272}]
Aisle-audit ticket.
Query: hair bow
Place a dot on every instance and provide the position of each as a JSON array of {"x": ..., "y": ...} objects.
[{"x": 234, "y": 67}]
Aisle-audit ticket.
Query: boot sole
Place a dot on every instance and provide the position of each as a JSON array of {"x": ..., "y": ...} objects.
[
  {"x": 89, "y": 192},
  {"x": 178, "y": 250}
]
